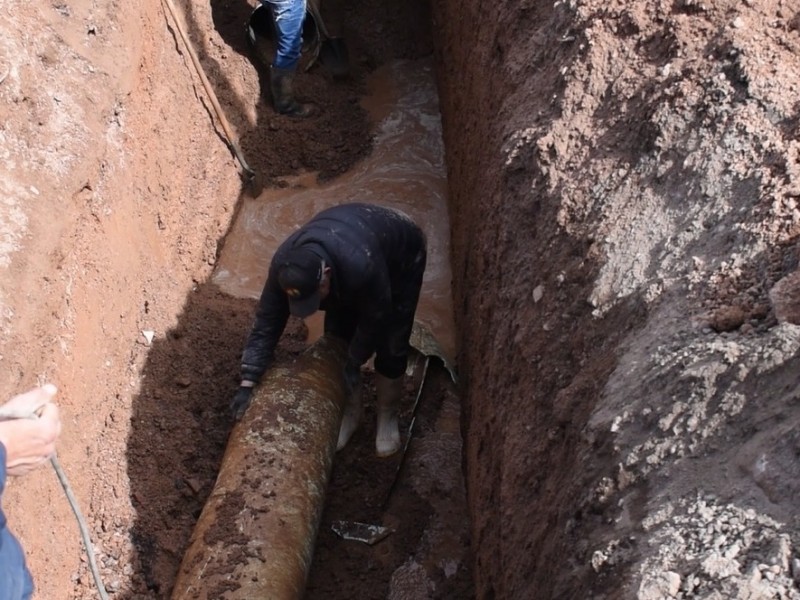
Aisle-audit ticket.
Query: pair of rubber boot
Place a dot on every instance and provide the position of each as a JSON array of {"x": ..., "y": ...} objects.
[
  {"x": 389, "y": 393},
  {"x": 281, "y": 87}
]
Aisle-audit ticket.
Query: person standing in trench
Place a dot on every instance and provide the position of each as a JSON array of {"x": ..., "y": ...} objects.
[
  {"x": 363, "y": 265},
  {"x": 287, "y": 17}
]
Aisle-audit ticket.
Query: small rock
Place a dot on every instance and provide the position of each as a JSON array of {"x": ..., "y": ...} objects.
[
  {"x": 785, "y": 298},
  {"x": 727, "y": 318},
  {"x": 194, "y": 484},
  {"x": 673, "y": 581}
]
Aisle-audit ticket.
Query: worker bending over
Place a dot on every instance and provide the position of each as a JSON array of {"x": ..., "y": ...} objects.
[{"x": 363, "y": 265}]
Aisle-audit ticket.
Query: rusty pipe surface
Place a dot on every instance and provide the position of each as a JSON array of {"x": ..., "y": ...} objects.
[{"x": 255, "y": 536}]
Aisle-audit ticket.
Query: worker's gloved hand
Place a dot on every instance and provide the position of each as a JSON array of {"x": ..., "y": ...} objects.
[
  {"x": 352, "y": 376},
  {"x": 240, "y": 402}
]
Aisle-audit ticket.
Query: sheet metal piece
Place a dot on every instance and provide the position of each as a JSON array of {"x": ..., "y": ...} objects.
[
  {"x": 255, "y": 536},
  {"x": 424, "y": 342},
  {"x": 360, "y": 532}
]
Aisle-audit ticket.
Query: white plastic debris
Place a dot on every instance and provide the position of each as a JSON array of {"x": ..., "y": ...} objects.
[{"x": 360, "y": 532}]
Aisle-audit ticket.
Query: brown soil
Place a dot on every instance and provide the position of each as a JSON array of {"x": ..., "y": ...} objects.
[
  {"x": 623, "y": 184},
  {"x": 625, "y": 175},
  {"x": 143, "y": 459}
]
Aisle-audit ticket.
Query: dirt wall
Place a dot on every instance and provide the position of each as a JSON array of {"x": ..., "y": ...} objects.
[
  {"x": 121, "y": 188},
  {"x": 623, "y": 181},
  {"x": 118, "y": 188}
]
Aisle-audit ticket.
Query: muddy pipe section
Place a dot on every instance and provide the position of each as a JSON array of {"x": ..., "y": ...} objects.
[{"x": 255, "y": 536}]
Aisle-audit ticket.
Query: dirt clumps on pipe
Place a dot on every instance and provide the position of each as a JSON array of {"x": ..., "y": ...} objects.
[{"x": 255, "y": 536}]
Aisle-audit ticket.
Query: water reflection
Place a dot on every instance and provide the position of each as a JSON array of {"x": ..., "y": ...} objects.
[{"x": 405, "y": 170}]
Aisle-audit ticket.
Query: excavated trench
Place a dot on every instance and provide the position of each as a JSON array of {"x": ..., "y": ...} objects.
[
  {"x": 476, "y": 447},
  {"x": 621, "y": 200},
  {"x": 415, "y": 500},
  {"x": 391, "y": 153}
]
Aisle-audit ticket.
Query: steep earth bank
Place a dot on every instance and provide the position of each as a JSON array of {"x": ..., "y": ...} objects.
[
  {"x": 116, "y": 190},
  {"x": 624, "y": 180}
]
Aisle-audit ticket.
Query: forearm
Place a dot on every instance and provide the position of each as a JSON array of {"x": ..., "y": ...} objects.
[
  {"x": 374, "y": 303},
  {"x": 259, "y": 351},
  {"x": 258, "y": 355},
  {"x": 270, "y": 321}
]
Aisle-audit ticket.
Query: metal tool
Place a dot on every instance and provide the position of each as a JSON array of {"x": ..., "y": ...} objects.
[
  {"x": 250, "y": 175},
  {"x": 333, "y": 52},
  {"x": 360, "y": 532}
]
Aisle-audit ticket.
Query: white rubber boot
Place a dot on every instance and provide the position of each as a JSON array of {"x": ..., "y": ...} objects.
[
  {"x": 351, "y": 417},
  {"x": 389, "y": 392}
]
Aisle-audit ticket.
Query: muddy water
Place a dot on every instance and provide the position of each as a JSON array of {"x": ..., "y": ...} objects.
[{"x": 406, "y": 171}]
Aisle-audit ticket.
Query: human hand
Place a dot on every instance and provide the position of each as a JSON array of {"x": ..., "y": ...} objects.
[
  {"x": 352, "y": 376},
  {"x": 240, "y": 402},
  {"x": 29, "y": 427}
]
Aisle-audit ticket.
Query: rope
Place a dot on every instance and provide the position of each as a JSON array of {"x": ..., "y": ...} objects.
[
  {"x": 87, "y": 542},
  {"x": 6, "y": 414}
]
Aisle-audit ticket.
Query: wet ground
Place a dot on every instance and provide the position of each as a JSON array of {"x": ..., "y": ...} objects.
[
  {"x": 420, "y": 500},
  {"x": 404, "y": 169},
  {"x": 417, "y": 496}
]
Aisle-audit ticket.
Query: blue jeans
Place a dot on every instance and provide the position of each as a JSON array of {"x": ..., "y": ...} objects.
[
  {"x": 288, "y": 16},
  {"x": 15, "y": 579}
]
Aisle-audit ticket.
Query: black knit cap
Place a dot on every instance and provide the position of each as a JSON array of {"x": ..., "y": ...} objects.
[{"x": 299, "y": 275}]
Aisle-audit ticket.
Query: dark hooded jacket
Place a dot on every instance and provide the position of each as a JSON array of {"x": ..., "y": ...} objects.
[{"x": 370, "y": 249}]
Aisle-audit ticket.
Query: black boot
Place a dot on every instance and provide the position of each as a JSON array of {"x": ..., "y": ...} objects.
[{"x": 283, "y": 100}]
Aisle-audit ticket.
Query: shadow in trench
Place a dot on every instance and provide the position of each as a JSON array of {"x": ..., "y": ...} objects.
[
  {"x": 180, "y": 427},
  {"x": 330, "y": 142},
  {"x": 179, "y": 431},
  {"x": 180, "y": 421}
]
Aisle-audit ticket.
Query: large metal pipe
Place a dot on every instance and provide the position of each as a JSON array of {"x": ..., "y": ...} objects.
[{"x": 255, "y": 537}]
